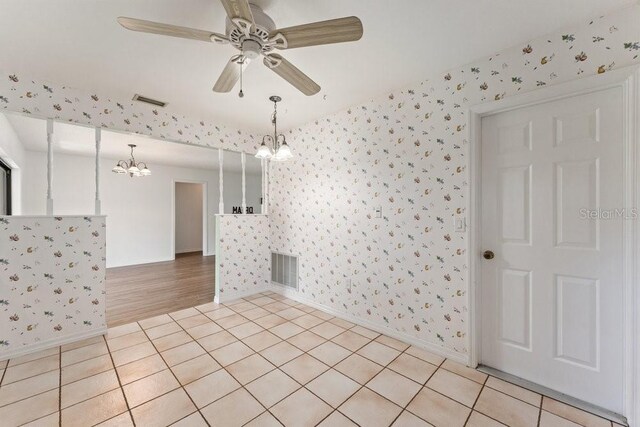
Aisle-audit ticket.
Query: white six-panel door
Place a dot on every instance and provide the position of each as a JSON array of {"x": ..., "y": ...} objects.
[{"x": 552, "y": 298}]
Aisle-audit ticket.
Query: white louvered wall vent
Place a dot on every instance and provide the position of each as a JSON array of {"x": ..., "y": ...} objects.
[{"x": 284, "y": 270}]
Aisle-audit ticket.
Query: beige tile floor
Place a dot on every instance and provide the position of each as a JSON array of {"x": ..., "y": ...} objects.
[{"x": 261, "y": 361}]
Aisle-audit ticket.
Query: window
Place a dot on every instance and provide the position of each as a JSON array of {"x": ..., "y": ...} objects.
[{"x": 5, "y": 189}]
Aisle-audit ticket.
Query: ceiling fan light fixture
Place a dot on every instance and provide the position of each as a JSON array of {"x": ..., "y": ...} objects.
[{"x": 251, "y": 31}]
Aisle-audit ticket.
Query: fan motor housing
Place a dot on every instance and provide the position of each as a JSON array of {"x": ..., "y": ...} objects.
[{"x": 259, "y": 33}]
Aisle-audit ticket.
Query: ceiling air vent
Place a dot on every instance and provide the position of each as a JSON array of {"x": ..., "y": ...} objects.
[{"x": 146, "y": 100}]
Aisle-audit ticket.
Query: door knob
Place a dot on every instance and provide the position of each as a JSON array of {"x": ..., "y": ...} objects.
[{"x": 488, "y": 255}]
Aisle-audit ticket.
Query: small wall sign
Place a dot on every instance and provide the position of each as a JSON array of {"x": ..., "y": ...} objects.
[{"x": 238, "y": 210}]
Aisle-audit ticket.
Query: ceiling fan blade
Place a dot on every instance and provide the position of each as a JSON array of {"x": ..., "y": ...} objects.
[
  {"x": 324, "y": 32},
  {"x": 230, "y": 75},
  {"x": 290, "y": 73},
  {"x": 170, "y": 30},
  {"x": 238, "y": 10}
]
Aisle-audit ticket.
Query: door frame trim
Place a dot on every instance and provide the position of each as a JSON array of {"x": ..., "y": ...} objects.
[
  {"x": 205, "y": 213},
  {"x": 627, "y": 78}
]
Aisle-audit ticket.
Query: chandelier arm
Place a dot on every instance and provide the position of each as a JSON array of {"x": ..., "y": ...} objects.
[{"x": 268, "y": 138}]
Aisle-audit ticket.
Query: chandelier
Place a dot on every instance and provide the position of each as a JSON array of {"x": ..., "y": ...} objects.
[
  {"x": 131, "y": 167},
  {"x": 274, "y": 147}
]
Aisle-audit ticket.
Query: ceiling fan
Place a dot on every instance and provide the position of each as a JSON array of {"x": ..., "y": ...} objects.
[{"x": 254, "y": 33}]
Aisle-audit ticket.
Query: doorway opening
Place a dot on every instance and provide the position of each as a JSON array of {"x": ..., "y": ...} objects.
[
  {"x": 5, "y": 188},
  {"x": 190, "y": 231}
]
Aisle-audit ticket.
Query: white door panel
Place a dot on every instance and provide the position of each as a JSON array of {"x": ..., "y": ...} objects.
[{"x": 552, "y": 297}]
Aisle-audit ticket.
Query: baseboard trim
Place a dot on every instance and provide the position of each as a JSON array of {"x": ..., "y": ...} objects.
[
  {"x": 54, "y": 342},
  {"x": 143, "y": 262},
  {"x": 425, "y": 345},
  {"x": 222, "y": 298}
]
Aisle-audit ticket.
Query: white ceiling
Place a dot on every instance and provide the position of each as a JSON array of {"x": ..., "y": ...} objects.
[
  {"x": 80, "y": 44},
  {"x": 79, "y": 140}
]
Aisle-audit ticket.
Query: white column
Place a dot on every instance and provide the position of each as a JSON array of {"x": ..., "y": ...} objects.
[
  {"x": 221, "y": 179},
  {"x": 98, "y": 141},
  {"x": 244, "y": 183},
  {"x": 262, "y": 203},
  {"x": 49, "y": 167},
  {"x": 266, "y": 187}
]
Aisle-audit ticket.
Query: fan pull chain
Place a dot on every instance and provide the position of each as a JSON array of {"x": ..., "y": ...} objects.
[{"x": 241, "y": 62}]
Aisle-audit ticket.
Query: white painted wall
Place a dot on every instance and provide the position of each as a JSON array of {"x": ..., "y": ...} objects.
[
  {"x": 188, "y": 232},
  {"x": 13, "y": 153},
  {"x": 233, "y": 185},
  {"x": 139, "y": 210}
]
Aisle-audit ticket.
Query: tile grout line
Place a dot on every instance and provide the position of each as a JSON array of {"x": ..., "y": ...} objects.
[
  {"x": 440, "y": 366},
  {"x": 60, "y": 385},
  {"x": 4, "y": 372},
  {"x": 539, "y": 415},
  {"x": 508, "y": 395},
  {"x": 363, "y": 386},
  {"x": 333, "y": 367},
  {"x": 267, "y": 312},
  {"x": 276, "y": 366},
  {"x": 243, "y": 386},
  {"x": 514, "y": 397},
  {"x": 126, "y": 401},
  {"x": 422, "y": 387},
  {"x": 221, "y": 366},
  {"x": 258, "y": 353},
  {"x": 425, "y": 385},
  {"x": 302, "y": 386},
  {"x": 206, "y": 352},
  {"x": 174, "y": 375},
  {"x": 484, "y": 384},
  {"x": 31, "y": 376},
  {"x": 59, "y": 388},
  {"x": 169, "y": 367},
  {"x": 352, "y": 353}
]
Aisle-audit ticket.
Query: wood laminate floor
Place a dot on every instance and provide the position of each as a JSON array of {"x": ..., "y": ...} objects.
[{"x": 141, "y": 291}]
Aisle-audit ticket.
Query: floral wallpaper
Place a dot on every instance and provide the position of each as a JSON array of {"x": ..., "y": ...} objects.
[
  {"x": 408, "y": 153},
  {"x": 20, "y": 94},
  {"x": 405, "y": 153},
  {"x": 243, "y": 257},
  {"x": 52, "y": 279}
]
